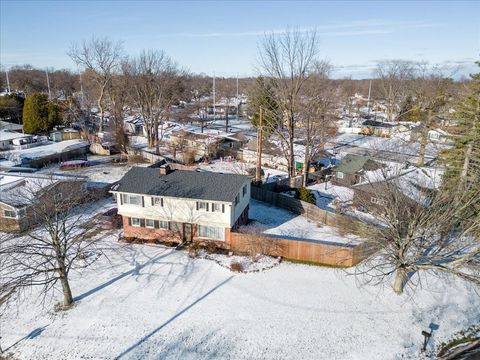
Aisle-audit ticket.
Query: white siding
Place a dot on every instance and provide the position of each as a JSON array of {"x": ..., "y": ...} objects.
[{"x": 179, "y": 210}]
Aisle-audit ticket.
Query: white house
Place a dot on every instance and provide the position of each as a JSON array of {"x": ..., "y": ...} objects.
[{"x": 180, "y": 205}]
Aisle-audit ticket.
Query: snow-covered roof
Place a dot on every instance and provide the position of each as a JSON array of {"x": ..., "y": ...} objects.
[{"x": 10, "y": 135}]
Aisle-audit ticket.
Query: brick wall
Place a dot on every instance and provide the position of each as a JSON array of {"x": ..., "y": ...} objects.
[{"x": 144, "y": 233}]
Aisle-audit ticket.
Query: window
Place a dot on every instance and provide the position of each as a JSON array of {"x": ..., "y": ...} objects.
[
  {"x": 9, "y": 214},
  {"x": 158, "y": 201},
  {"x": 132, "y": 199},
  {"x": 58, "y": 196},
  {"x": 216, "y": 207},
  {"x": 136, "y": 222},
  {"x": 339, "y": 174},
  {"x": 202, "y": 205},
  {"x": 245, "y": 190},
  {"x": 378, "y": 201},
  {"x": 237, "y": 199},
  {"x": 163, "y": 224},
  {"x": 175, "y": 226},
  {"x": 149, "y": 223},
  {"x": 211, "y": 232}
]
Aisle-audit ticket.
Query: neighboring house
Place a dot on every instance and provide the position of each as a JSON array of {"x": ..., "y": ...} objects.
[
  {"x": 434, "y": 135},
  {"x": 207, "y": 145},
  {"x": 180, "y": 205},
  {"x": 50, "y": 153},
  {"x": 19, "y": 195},
  {"x": 352, "y": 169},
  {"x": 377, "y": 128},
  {"x": 10, "y": 139},
  {"x": 415, "y": 186},
  {"x": 134, "y": 125}
]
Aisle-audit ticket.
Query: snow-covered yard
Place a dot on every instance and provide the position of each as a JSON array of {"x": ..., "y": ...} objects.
[
  {"x": 272, "y": 220},
  {"x": 152, "y": 302}
]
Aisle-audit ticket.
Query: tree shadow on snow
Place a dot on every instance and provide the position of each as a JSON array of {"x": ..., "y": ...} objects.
[
  {"x": 134, "y": 271},
  {"x": 174, "y": 317},
  {"x": 32, "y": 335}
]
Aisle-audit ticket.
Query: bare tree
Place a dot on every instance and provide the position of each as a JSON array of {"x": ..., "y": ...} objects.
[
  {"x": 287, "y": 60},
  {"x": 226, "y": 89},
  {"x": 63, "y": 241},
  {"x": 430, "y": 90},
  {"x": 119, "y": 96},
  {"x": 420, "y": 230},
  {"x": 102, "y": 57},
  {"x": 393, "y": 76},
  {"x": 155, "y": 80},
  {"x": 318, "y": 114}
]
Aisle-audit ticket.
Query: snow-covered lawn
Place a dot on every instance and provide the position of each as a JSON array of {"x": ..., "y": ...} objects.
[
  {"x": 152, "y": 302},
  {"x": 325, "y": 194},
  {"x": 272, "y": 220}
]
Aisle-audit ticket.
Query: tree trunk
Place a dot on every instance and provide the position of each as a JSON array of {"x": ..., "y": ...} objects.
[
  {"x": 100, "y": 106},
  {"x": 306, "y": 163},
  {"x": 400, "y": 280},
  {"x": 466, "y": 164},
  {"x": 67, "y": 292},
  {"x": 291, "y": 130},
  {"x": 424, "y": 140}
]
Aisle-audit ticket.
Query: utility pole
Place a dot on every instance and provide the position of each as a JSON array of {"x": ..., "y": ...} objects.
[
  {"x": 368, "y": 102},
  {"x": 258, "y": 171},
  {"x": 214, "y": 109},
  {"x": 238, "y": 101},
  {"x": 8, "y": 81},
  {"x": 48, "y": 85},
  {"x": 81, "y": 90}
]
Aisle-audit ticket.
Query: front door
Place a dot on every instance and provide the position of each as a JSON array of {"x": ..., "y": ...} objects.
[{"x": 187, "y": 233}]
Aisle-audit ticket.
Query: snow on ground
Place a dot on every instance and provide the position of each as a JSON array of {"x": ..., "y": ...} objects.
[
  {"x": 275, "y": 221},
  {"x": 261, "y": 262},
  {"x": 152, "y": 302},
  {"x": 326, "y": 193}
]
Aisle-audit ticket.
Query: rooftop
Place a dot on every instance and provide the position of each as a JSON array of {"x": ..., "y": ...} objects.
[
  {"x": 351, "y": 164},
  {"x": 182, "y": 184}
]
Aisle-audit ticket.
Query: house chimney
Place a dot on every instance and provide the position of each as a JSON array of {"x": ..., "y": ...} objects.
[{"x": 165, "y": 169}]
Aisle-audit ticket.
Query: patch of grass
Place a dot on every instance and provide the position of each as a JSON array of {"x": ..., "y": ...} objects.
[
  {"x": 313, "y": 263},
  {"x": 462, "y": 337},
  {"x": 8, "y": 356},
  {"x": 59, "y": 307}
]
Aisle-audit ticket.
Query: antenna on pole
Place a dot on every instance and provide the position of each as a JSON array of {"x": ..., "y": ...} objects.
[
  {"x": 48, "y": 85},
  {"x": 8, "y": 81}
]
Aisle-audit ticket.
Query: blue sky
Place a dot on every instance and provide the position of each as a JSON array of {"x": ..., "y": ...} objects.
[{"x": 223, "y": 36}]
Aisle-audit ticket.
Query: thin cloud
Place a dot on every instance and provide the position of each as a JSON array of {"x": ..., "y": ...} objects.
[{"x": 358, "y": 28}]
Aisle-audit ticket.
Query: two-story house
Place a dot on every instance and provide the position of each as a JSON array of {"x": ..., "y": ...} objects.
[{"x": 180, "y": 205}]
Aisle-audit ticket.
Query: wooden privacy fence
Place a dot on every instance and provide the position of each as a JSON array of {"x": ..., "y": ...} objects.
[{"x": 321, "y": 252}]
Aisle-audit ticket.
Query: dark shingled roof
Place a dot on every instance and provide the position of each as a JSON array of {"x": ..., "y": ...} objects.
[{"x": 182, "y": 184}]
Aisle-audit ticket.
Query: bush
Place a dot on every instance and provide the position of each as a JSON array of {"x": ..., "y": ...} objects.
[
  {"x": 39, "y": 115},
  {"x": 236, "y": 266},
  {"x": 305, "y": 195}
]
